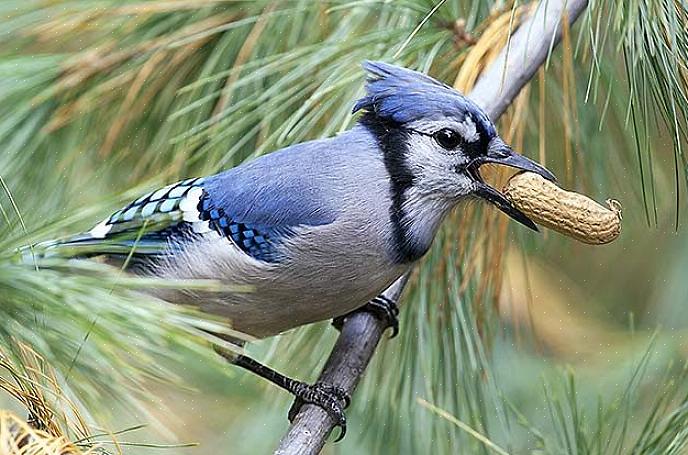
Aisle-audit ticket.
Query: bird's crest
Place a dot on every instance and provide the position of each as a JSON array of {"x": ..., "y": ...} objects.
[{"x": 402, "y": 96}]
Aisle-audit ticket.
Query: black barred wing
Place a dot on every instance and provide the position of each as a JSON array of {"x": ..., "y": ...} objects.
[
  {"x": 255, "y": 239},
  {"x": 183, "y": 212},
  {"x": 144, "y": 227},
  {"x": 155, "y": 211}
]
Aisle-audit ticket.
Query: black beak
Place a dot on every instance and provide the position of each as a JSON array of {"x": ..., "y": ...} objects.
[{"x": 500, "y": 153}]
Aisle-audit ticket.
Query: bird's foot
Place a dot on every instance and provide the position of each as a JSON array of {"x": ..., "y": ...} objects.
[
  {"x": 330, "y": 398},
  {"x": 381, "y": 307}
]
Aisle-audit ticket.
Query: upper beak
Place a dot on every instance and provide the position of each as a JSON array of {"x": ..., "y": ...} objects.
[{"x": 500, "y": 153}]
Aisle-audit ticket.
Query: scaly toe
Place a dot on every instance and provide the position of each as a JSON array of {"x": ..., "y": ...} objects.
[{"x": 331, "y": 398}]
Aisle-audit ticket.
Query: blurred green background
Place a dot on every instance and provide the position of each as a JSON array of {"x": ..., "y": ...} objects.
[{"x": 539, "y": 343}]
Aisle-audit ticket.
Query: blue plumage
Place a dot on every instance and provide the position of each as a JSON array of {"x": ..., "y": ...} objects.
[
  {"x": 259, "y": 241},
  {"x": 255, "y": 207},
  {"x": 403, "y": 96},
  {"x": 317, "y": 229},
  {"x": 276, "y": 190},
  {"x": 336, "y": 219},
  {"x": 153, "y": 207}
]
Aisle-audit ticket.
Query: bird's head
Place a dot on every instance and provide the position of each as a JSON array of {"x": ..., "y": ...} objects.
[{"x": 434, "y": 139}]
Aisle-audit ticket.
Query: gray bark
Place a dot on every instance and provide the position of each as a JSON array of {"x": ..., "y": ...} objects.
[{"x": 494, "y": 91}]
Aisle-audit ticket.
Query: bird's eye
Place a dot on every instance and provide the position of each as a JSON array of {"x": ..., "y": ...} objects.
[{"x": 448, "y": 138}]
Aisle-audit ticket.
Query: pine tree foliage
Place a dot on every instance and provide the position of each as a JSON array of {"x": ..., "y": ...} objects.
[{"x": 103, "y": 99}]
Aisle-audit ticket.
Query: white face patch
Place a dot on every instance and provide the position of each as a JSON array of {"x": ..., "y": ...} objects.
[
  {"x": 468, "y": 130},
  {"x": 436, "y": 171}
]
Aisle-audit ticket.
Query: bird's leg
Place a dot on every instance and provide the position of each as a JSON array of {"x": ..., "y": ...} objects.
[
  {"x": 331, "y": 398},
  {"x": 381, "y": 307}
]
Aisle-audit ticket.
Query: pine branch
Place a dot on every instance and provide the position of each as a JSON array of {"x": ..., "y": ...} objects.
[{"x": 517, "y": 63}]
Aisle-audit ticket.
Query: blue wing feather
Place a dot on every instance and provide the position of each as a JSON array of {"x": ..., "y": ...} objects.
[
  {"x": 282, "y": 189},
  {"x": 257, "y": 240},
  {"x": 255, "y": 206}
]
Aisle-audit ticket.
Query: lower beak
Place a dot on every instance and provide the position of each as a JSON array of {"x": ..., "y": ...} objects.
[{"x": 500, "y": 153}]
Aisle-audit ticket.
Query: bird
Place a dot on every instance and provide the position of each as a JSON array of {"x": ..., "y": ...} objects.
[{"x": 317, "y": 229}]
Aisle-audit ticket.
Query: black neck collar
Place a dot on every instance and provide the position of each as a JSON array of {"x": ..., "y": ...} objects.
[{"x": 393, "y": 142}]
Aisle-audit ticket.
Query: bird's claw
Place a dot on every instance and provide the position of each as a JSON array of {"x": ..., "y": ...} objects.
[
  {"x": 331, "y": 398},
  {"x": 381, "y": 307},
  {"x": 387, "y": 310}
]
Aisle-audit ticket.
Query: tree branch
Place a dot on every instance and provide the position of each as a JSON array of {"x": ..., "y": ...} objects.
[{"x": 499, "y": 84}]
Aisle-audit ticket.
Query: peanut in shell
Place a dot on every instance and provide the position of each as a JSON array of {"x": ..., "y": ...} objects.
[{"x": 566, "y": 212}]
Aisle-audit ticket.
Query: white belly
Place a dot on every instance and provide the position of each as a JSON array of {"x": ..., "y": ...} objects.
[{"x": 319, "y": 281}]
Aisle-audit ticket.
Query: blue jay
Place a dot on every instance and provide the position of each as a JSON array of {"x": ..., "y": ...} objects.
[{"x": 319, "y": 228}]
